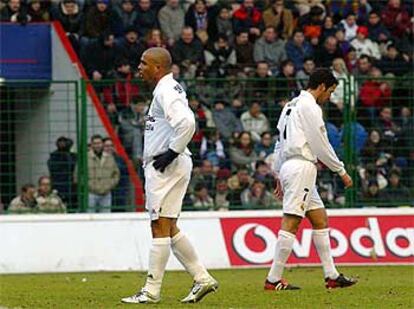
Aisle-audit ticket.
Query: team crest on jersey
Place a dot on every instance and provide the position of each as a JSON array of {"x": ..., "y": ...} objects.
[{"x": 178, "y": 88}]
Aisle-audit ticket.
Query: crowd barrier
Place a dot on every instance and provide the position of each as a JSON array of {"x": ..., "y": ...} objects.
[{"x": 121, "y": 242}]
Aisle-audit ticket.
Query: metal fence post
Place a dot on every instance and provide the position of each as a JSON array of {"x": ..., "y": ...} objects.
[{"x": 83, "y": 149}]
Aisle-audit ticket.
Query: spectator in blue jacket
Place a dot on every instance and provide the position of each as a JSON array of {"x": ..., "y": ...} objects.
[{"x": 298, "y": 49}]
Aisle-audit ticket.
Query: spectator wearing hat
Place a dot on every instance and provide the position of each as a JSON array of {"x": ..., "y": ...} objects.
[
  {"x": 48, "y": 200},
  {"x": 248, "y": 17},
  {"x": 298, "y": 49},
  {"x": 171, "y": 19},
  {"x": 71, "y": 18},
  {"x": 25, "y": 202},
  {"x": 37, "y": 12},
  {"x": 244, "y": 51},
  {"x": 350, "y": 26},
  {"x": 242, "y": 152},
  {"x": 254, "y": 121},
  {"x": 279, "y": 17},
  {"x": 220, "y": 57},
  {"x": 98, "y": 20},
  {"x": 396, "y": 18},
  {"x": 365, "y": 46},
  {"x": 146, "y": 18},
  {"x": 270, "y": 48},
  {"x": 61, "y": 165},
  {"x": 377, "y": 32},
  {"x": 188, "y": 52},
  {"x": 257, "y": 197},
  {"x": 226, "y": 122},
  {"x": 124, "y": 17}
]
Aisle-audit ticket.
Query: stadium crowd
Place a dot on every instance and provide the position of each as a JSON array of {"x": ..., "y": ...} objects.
[{"x": 240, "y": 62}]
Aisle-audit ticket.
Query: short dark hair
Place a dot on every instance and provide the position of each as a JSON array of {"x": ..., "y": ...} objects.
[
  {"x": 27, "y": 187},
  {"x": 96, "y": 136},
  {"x": 322, "y": 76}
]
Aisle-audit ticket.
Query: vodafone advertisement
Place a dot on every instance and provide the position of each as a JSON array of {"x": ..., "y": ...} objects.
[{"x": 355, "y": 239}]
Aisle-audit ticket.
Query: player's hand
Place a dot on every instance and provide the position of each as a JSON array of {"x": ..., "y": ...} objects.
[
  {"x": 278, "y": 192},
  {"x": 347, "y": 180},
  {"x": 161, "y": 161}
]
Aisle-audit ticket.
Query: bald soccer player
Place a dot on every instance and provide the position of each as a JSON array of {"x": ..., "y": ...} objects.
[{"x": 170, "y": 125}]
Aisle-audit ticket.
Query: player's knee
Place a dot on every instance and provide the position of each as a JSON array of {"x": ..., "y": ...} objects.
[
  {"x": 290, "y": 223},
  {"x": 320, "y": 223},
  {"x": 160, "y": 228}
]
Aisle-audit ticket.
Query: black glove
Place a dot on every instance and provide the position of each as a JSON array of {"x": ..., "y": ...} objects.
[{"x": 164, "y": 159}]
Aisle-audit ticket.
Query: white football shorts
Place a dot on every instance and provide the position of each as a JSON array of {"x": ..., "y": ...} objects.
[
  {"x": 165, "y": 191},
  {"x": 298, "y": 180}
]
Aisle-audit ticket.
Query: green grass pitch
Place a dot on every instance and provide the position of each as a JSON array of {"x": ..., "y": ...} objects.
[{"x": 378, "y": 287}]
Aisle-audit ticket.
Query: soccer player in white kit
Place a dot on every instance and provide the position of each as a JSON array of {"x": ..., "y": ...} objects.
[
  {"x": 170, "y": 125},
  {"x": 302, "y": 141}
]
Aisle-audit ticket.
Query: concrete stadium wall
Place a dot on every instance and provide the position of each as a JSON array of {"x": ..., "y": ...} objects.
[{"x": 121, "y": 242}]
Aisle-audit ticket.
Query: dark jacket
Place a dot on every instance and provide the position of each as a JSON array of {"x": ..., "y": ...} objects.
[
  {"x": 192, "y": 52},
  {"x": 61, "y": 166},
  {"x": 98, "y": 57},
  {"x": 397, "y": 66},
  {"x": 298, "y": 54},
  {"x": 146, "y": 20},
  {"x": 130, "y": 52},
  {"x": 123, "y": 20},
  {"x": 70, "y": 23},
  {"x": 96, "y": 23}
]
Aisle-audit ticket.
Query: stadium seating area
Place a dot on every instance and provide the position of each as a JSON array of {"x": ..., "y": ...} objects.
[{"x": 240, "y": 62}]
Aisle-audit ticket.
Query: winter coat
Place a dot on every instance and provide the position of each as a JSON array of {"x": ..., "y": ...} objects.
[
  {"x": 271, "y": 52},
  {"x": 103, "y": 173},
  {"x": 171, "y": 21},
  {"x": 226, "y": 122}
]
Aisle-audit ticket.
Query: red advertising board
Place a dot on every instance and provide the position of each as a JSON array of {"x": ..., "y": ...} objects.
[{"x": 354, "y": 240}]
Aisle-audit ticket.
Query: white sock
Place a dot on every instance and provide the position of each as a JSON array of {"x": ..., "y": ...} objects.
[
  {"x": 283, "y": 249},
  {"x": 185, "y": 253},
  {"x": 323, "y": 246},
  {"x": 159, "y": 254}
]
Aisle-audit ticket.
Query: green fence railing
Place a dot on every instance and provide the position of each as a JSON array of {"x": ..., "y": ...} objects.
[{"x": 369, "y": 122}]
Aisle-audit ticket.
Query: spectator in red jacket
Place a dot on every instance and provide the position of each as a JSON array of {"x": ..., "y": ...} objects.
[
  {"x": 248, "y": 17},
  {"x": 374, "y": 93},
  {"x": 396, "y": 18}
]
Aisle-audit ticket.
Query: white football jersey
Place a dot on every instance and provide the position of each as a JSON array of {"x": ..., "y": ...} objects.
[
  {"x": 170, "y": 122},
  {"x": 302, "y": 134}
]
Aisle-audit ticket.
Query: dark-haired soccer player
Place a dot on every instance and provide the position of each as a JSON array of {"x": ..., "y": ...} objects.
[{"x": 303, "y": 141}]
